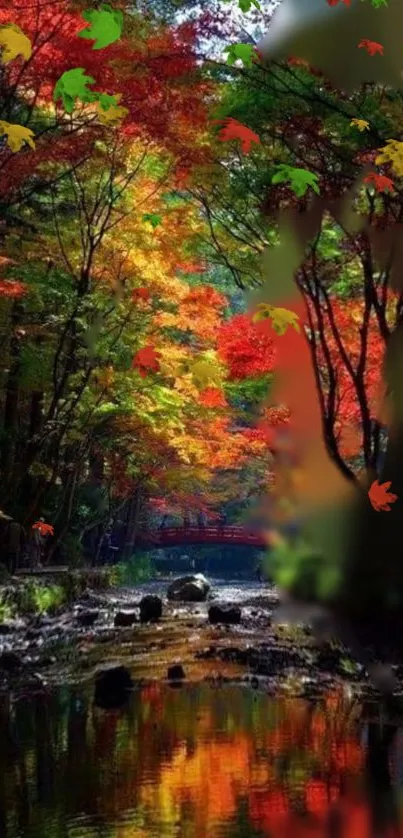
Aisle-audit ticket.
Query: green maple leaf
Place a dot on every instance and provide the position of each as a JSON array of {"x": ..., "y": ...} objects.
[
  {"x": 300, "y": 179},
  {"x": 153, "y": 219},
  {"x": 378, "y": 3},
  {"x": 106, "y": 26},
  {"x": 72, "y": 85},
  {"x": 245, "y": 5},
  {"x": 106, "y": 101},
  {"x": 245, "y": 52}
]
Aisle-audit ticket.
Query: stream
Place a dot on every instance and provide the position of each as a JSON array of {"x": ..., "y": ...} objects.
[{"x": 207, "y": 758}]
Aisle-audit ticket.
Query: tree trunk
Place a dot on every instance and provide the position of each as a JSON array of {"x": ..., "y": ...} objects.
[
  {"x": 11, "y": 404},
  {"x": 132, "y": 524}
]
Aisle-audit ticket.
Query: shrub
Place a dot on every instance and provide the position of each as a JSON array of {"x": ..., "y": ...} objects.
[{"x": 138, "y": 569}]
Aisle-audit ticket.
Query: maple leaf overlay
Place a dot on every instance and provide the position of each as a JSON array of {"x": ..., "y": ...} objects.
[
  {"x": 372, "y": 47},
  {"x": 380, "y": 182},
  {"x": 380, "y": 497},
  {"x": 146, "y": 360},
  {"x": 44, "y": 529},
  {"x": 234, "y": 130}
]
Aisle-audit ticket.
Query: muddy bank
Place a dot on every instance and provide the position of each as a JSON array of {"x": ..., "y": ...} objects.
[{"x": 104, "y": 628}]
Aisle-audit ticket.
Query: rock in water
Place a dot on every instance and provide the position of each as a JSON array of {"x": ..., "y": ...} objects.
[
  {"x": 176, "y": 672},
  {"x": 123, "y": 619},
  {"x": 112, "y": 687},
  {"x": 228, "y": 614},
  {"x": 189, "y": 588},
  {"x": 150, "y": 609},
  {"x": 87, "y": 618}
]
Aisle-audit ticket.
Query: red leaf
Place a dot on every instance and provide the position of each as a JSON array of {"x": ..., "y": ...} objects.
[
  {"x": 372, "y": 47},
  {"x": 380, "y": 497},
  {"x": 213, "y": 397},
  {"x": 141, "y": 294},
  {"x": 234, "y": 130},
  {"x": 380, "y": 182},
  {"x": 11, "y": 289},
  {"x": 146, "y": 360},
  {"x": 44, "y": 529},
  {"x": 335, "y": 2}
]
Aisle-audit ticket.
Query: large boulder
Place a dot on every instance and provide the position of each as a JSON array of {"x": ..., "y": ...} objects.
[
  {"x": 112, "y": 687},
  {"x": 228, "y": 614},
  {"x": 189, "y": 588},
  {"x": 150, "y": 609}
]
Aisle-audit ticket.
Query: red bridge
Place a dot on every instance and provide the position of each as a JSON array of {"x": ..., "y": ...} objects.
[{"x": 173, "y": 536}]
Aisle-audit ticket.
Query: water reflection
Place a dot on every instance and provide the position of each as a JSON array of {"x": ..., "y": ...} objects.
[{"x": 194, "y": 762}]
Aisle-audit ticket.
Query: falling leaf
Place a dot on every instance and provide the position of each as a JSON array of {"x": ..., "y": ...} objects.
[
  {"x": 44, "y": 529},
  {"x": 380, "y": 182},
  {"x": 336, "y": 2},
  {"x": 13, "y": 43},
  {"x": 234, "y": 130},
  {"x": 361, "y": 124},
  {"x": 380, "y": 497},
  {"x": 300, "y": 179},
  {"x": 205, "y": 373},
  {"x": 17, "y": 135},
  {"x": 372, "y": 47},
  {"x": 72, "y": 85},
  {"x": 281, "y": 318},
  {"x": 109, "y": 111},
  {"x": 392, "y": 153},
  {"x": 153, "y": 219},
  {"x": 105, "y": 28},
  {"x": 146, "y": 360},
  {"x": 241, "y": 52}
]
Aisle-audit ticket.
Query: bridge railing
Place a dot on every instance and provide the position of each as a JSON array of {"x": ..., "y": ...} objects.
[{"x": 203, "y": 533}]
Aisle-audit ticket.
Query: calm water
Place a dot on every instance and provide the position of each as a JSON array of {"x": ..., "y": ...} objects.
[{"x": 194, "y": 761}]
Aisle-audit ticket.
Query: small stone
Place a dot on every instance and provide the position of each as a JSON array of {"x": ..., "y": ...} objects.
[{"x": 176, "y": 672}]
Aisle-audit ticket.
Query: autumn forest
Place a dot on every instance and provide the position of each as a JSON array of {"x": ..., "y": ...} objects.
[{"x": 146, "y": 151}]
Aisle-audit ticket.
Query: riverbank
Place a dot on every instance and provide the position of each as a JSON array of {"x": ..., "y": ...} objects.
[{"x": 103, "y": 627}]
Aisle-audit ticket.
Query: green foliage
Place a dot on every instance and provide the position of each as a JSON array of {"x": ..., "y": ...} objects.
[
  {"x": 73, "y": 85},
  {"x": 106, "y": 26},
  {"x": 138, "y": 569},
  {"x": 33, "y": 598},
  {"x": 300, "y": 179},
  {"x": 243, "y": 52},
  {"x": 303, "y": 572}
]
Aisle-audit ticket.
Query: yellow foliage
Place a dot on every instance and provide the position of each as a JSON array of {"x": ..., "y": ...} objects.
[
  {"x": 17, "y": 135},
  {"x": 361, "y": 124},
  {"x": 392, "y": 153},
  {"x": 13, "y": 42},
  {"x": 281, "y": 317}
]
